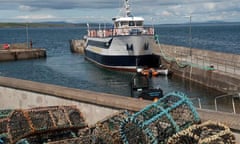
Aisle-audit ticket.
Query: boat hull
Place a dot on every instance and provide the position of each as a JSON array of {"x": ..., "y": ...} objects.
[
  {"x": 119, "y": 54},
  {"x": 126, "y": 63}
]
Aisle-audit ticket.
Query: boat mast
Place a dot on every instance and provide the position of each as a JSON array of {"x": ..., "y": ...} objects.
[{"x": 127, "y": 9}]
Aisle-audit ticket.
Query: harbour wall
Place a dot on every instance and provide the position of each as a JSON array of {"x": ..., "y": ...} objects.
[
  {"x": 212, "y": 69},
  {"x": 16, "y": 94},
  {"x": 15, "y": 45},
  {"x": 215, "y": 70},
  {"x": 19, "y": 99},
  {"x": 21, "y": 54},
  {"x": 77, "y": 46}
]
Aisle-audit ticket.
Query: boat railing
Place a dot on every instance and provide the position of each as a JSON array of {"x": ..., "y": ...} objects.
[{"x": 109, "y": 32}]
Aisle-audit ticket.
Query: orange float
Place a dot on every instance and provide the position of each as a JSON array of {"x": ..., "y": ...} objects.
[{"x": 150, "y": 72}]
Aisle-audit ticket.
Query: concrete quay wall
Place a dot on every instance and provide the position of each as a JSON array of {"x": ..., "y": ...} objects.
[
  {"x": 208, "y": 55},
  {"x": 19, "y": 99},
  {"x": 77, "y": 46},
  {"x": 224, "y": 77},
  {"x": 226, "y": 74},
  {"x": 15, "y": 93},
  {"x": 21, "y": 54},
  {"x": 210, "y": 78}
]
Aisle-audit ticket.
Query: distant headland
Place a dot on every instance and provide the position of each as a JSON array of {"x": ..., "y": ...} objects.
[
  {"x": 41, "y": 25},
  {"x": 65, "y": 24}
]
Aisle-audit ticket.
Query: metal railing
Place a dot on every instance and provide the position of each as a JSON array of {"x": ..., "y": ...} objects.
[
  {"x": 216, "y": 104},
  {"x": 198, "y": 100},
  {"x": 224, "y": 65},
  {"x": 109, "y": 32},
  {"x": 233, "y": 97},
  {"x": 189, "y": 56}
]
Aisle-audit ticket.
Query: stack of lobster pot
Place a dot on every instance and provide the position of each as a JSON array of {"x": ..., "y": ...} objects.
[
  {"x": 39, "y": 125},
  {"x": 206, "y": 133},
  {"x": 157, "y": 122}
]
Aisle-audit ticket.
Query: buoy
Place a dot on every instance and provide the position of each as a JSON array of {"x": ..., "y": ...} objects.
[
  {"x": 155, "y": 99},
  {"x": 154, "y": 72},
  {"x": 150, "y": 72}
]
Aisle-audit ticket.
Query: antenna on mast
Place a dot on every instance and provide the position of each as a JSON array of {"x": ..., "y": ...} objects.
[{"x": 127, "y": 9}]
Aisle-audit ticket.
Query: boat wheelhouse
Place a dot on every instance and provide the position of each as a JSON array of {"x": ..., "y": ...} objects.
[{"x": 125, "y": 45}]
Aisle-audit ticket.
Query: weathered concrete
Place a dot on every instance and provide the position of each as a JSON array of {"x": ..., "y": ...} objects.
[
  {"x": 210, "y": 78},
  {"x": 102, "y": 99},
  {"x": 77, "y": 46},
  {"x": 38, "y": 94},
  {"x": 21, "y": 54},
  {"x": 225, "y": 76},
  {"x": 16, "y": 99},
  {"x": 15, "y": 93},
  {"x": 15, "y": 46}
]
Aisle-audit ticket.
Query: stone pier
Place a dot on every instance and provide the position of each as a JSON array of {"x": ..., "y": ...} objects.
[
  {"x": 20, "y": 51},
  {"x": 216, "y": 70},
  {"x": 21, "y": 54},
  {"x": 16, "y": 93}
]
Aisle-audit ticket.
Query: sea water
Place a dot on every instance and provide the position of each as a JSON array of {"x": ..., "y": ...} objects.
[{"x": 61, "y": 67}]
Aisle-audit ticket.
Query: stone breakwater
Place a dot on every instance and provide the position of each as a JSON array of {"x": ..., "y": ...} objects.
[
  {"x": 212, "y": 69},
  {"x": 13, "y": 54},
  {"x": 94, "y": 105},
  {"x": 77, "y": 46},
  {"x": 216, "y": 70}
]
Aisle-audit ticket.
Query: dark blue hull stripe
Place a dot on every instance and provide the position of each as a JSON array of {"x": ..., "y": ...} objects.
[{"x": 124, "y": 61}]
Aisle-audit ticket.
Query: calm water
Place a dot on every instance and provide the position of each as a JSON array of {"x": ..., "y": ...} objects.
[
  {"x": 71, "y": 70},
  {"x": 216, "y": 37}
]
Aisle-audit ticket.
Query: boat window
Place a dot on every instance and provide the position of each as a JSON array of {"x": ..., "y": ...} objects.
[
  {"x": 131, "y": 23},
  {"x": 116, "y": 24},
  {"x": 139, "y": 23},
  {"x": 119, "y": 24},
  {"x": 124, "y": 23}
]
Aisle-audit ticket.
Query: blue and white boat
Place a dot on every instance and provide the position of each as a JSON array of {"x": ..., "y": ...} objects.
[{"x": 124, "y": 46}]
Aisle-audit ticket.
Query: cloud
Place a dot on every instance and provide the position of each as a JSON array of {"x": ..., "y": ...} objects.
[
  {"x": 166, "y": 13},
  {"x": 35, "y": 17},
  {"x": 210, "y": 6},
  {"x": 26, "y": 8},
  {"x": 69, "y": 4},
  {"x": 170, "y": 11}
]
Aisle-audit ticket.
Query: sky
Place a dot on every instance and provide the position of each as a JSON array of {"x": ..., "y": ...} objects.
[{"x": 153, "y": 11}]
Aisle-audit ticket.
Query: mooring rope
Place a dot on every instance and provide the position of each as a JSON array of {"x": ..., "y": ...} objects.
[{"x": 179, "y": 63}]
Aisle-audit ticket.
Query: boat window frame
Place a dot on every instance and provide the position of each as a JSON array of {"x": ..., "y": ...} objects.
[
  {"x": 139, "y": 23},
  {"x": 131, "y": 23},
  {"x": 124, "y": 23},
  {"x": 100, "y": 44}
]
